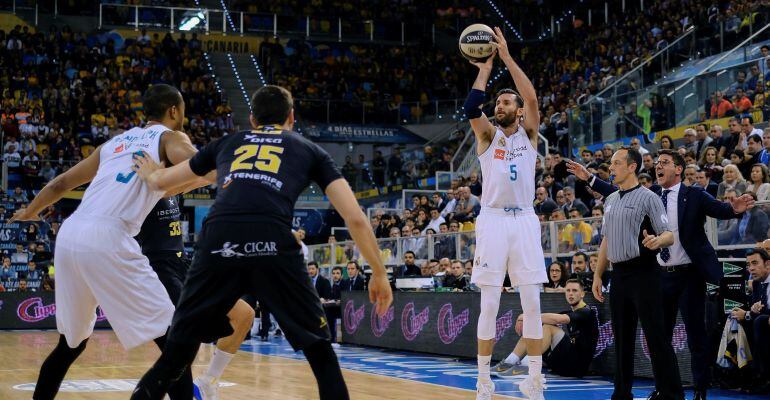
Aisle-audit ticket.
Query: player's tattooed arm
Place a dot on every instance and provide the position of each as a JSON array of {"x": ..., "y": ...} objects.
[{"x": 82, "y": 173}]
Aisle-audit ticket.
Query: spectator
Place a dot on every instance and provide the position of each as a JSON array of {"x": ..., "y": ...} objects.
[
  {"x": 712, "y": 163},
  {"x": 19, "y": 255},
  {"x": 6, "y": 273},
  {"x": 543, "y": 204},
  {"x": 741, "y": 104},
  {"x": 578, "y": 233},
  {"x": 720, "y": 106},
  {"x": 408, "y": 268},
  {"x": 648, "y": 166},
  {"x": 703, "y": 180},
  {"x": 752, "y": 227},
  {"x": 449, "y": 205},
  {"x": 570, "y": 202},
  {"x": 702, "y": 139},
  {"x": 47, "y": 172},
  {"x": 636, "y": 144},
  {"x": 730, "y": 142},
  {"x": 23, "y": 287},
  {"x": 12, "y": 158},
  {"x": 747, "y": 127},
  {"x": 350, "y": 172},
  {"x": 550, "y": 185},
  {"x": 468, "y": 264},
  {"x": 32, "y": 274},
  {"x": 435, "y": 220},
  {"x": 557, "y": 278},
  {"x": 425, "y": 270},
  {"x": 456, "y": 280},
  {"x": 332, "y": 303},
  {"x": 690, "y": 142},
  {"x": 475, "y": 184},
  {"x": 354, "y": 281},
  {"x": 321, "y": 284},
  {"x": 378, "y": 169},
  {"x": 732, "y": 179},
  {"x": 759, "y": 182},
  {"x": 571, "y": 347},
  {"x": 689, "y": 175},
  {"x": 299, "y": 234},
  {"x": 19, "y": 196},
  {"x": 666, "y": 143},
  {"x": 395, "y": 165},
  {"x": 466, "y": 205}
]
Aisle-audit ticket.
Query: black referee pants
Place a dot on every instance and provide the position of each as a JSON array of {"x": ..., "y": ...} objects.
[{"x": 635, "y": 296}]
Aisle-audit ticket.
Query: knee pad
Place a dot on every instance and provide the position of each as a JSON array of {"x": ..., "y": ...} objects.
[
  {"x": 490, "y": 304},
  {"x": 530, "y": 303}
]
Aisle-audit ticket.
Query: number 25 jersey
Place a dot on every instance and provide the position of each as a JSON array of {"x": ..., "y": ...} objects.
[{"x": 261, "y": 172}]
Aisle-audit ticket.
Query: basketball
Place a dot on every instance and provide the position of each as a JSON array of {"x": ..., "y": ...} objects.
[{"x": 475, "y": 42}]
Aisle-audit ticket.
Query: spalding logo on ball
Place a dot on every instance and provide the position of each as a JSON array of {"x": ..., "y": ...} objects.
[{"x": 475, "y": 42}]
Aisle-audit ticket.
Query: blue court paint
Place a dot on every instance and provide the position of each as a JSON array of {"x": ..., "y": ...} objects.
[{"x": 461, "y": 374}]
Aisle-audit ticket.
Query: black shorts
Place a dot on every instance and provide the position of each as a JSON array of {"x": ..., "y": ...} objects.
[
  {"x": 171, "y": 270},
  {"x": 239, "y": 258},
  {"x": 564, "y": 360}
]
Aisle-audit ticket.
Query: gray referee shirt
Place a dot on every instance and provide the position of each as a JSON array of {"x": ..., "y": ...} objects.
[{"x": 624, "y": 214}]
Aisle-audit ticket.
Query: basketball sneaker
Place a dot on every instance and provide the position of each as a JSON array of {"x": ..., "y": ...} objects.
[
  {"x": 532, "y": 387},
  {"x": 502, "y": 366},
  {"x": 205, "y": 388},
  {"x": 484, "y": 389}
]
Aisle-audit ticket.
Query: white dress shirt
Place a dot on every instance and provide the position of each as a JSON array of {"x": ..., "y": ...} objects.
[{"x": 678, "y": 255}]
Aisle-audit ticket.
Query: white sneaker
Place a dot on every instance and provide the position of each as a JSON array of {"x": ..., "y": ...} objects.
[
  {"x": 205, "y": 388},
  {"x": 532, "y": 387},
  {"x": 485, "y": 388}
]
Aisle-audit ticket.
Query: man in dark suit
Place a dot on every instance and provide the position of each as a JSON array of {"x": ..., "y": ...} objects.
[
  {"x": 354, "y": 281},
  {"x": 688, "y": 264},
  {"x": 332, "y": 303},
  {"x": 755, "y": 320},
  {"x": 408, "y": 268},
  {"x": 321, "y": 284},
  {"x": 703, "y": 179}
]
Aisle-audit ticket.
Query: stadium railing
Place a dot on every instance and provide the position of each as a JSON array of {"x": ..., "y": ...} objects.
[{"x": 559, "y": 239}]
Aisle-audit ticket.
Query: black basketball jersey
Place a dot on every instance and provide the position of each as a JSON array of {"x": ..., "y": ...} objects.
[
  {"x": 162, "y": 229},
  {"x": 260, "y": 173}
]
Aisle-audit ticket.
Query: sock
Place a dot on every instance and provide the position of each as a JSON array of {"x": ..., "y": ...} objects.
[
  {"x": 484, "y": 362},
  {"x": 326, "y": 368},
  {"x": 218, "y": 363},
  {"x": 512, "y": 359},
  {"x": 54, "y": 368},
  {"x": 535, "y": 365},
  {"x": 181, "y": 387}
]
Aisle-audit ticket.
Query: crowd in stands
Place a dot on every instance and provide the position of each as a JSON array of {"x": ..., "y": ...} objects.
[
  {"x": 65, "y": 92},
  {"x": 26, "y": 249}
]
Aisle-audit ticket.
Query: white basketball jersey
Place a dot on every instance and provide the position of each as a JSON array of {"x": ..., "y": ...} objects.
[
  {"x": 508, "y": 171},
  {"x": 117, "y": 191}
]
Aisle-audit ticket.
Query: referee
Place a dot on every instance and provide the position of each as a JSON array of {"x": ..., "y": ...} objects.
[{"x": 632, "y": 215}]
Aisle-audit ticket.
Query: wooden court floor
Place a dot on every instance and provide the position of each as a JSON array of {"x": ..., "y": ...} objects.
[{"x": 255, "y": 376}]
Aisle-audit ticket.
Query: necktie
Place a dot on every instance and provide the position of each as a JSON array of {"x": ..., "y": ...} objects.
[
  {"x": 763, "y": 287},
  {"x": 665, "y": 253}
]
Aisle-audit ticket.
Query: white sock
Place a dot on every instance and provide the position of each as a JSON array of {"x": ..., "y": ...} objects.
[
  {"x": 535, "y": 365},
  {"x": 512, "y": 359},
  {"x": 484, "y": 362},
  {"x": 218, "y": 363}
]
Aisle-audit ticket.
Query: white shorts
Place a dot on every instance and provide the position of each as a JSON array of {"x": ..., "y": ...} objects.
[
  {"x": 98, "y": 263},
  {"x": 508, "y": 241}
]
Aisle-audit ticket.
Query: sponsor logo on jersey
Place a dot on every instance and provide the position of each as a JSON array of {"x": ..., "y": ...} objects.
[
  {"x": 249, "y": 249},
  {"x": 499, "y": 154},
  {"x": 228, "y": 250},
  {"x": 119, "y": 148},
  {"x": 501, "y": 142}
]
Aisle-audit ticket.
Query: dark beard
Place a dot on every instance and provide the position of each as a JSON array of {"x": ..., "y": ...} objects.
[{"x": 507, "y": 121}]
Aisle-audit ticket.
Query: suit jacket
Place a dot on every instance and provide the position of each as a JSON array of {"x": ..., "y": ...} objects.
[
  {"x": 323, "y": 287},
  {"x": 335, "y": 291},
  {"x": 693, "y": 205},
  {"x": 356, "y": 283},
  {"x": 758, "y": 294}
]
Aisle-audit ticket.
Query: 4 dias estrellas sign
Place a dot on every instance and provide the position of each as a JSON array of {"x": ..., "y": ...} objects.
[{"x": 360, "y": 133}]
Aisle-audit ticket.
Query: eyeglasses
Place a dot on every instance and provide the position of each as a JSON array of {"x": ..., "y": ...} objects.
[{"x": 664, "y": 162}]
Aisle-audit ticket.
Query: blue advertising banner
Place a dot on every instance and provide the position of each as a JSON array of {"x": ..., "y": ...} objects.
[{"x": 360, "y": 133}]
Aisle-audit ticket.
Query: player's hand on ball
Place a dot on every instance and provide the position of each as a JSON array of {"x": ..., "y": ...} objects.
[
  {"x": 145, "y": 166},
  {"x": 596, "y": 288},
  {"x": 486, "y": 65},
  {"x": 24, "y": 214},
  {"x": 380, "y": 294},
  {"x": 651, "y": 242},
  {"x": 501, "y": 44}
]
